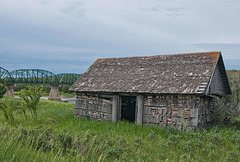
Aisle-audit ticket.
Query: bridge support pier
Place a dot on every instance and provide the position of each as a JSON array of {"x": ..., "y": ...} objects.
[
  {"x": 10, "y": 92},
  {"x": 54, "y": 93}
]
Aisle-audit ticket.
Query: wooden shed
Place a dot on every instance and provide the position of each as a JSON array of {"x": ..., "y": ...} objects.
[{"x": 177, "y": 90}]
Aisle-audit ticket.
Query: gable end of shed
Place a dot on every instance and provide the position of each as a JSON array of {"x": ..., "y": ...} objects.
[{"x": 219, "y": 85}]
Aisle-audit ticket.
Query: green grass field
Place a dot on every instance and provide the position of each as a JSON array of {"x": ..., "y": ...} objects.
[{"x": 58, "y": 136}]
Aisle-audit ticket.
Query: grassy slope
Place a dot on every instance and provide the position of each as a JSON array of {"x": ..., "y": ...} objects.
[{"x": 91, "y": 140}]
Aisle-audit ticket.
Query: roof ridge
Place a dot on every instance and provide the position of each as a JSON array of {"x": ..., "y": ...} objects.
[{"x": 180, "y": 54}]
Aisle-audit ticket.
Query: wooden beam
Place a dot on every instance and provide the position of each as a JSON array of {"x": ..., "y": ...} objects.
[
  {"x": 140, "y": 109},
  {"x": 115, "y": 106}
]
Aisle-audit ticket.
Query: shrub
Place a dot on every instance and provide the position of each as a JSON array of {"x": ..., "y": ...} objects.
[
  {"x": 10, "y": 107},
  {"x": 223, "y": 112},
  {"x": 2, "y": 86},
  {"x": 2, "y": 90},
  {"x": 65, "y": 88},
  {"x": 7, "y": 111},
  {"x": 31, "y": 97}
]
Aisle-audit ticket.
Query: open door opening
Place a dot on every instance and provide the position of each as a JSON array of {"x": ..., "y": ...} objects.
[{"x": 128, "y": 108}]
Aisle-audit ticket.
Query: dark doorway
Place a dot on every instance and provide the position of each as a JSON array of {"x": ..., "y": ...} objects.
[{"x": 128, "y": 108}]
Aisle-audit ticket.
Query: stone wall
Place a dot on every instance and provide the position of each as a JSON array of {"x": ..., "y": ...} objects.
[
  {"x": 93, "y": 105},
  {"x": 180, "y": 111}
]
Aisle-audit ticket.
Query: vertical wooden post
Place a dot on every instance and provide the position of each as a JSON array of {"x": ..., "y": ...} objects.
[
  {"x": 115, "y": 108},
  {"x": 119, "y": 108},
  {"x": 140, "y": 109}
]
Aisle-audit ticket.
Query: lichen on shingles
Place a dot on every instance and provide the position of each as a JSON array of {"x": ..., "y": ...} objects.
[{"x": 180, "y": 73}]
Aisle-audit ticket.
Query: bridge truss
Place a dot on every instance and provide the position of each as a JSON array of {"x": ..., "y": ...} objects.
[
  {"x": 5, "y": 76},
  {"x": 37, "y": 76},
  {"x": 67, "y": 78},
  {"x": 34, "y": 76}
]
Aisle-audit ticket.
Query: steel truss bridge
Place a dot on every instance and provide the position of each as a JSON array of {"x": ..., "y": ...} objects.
[{"x": 37, "y": 76}]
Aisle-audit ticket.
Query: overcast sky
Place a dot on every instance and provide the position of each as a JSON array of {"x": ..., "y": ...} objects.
[{"x": 69, "y": 35}]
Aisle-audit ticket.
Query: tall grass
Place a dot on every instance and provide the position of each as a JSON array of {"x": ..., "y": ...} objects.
[{"x": 58, "y": 136}]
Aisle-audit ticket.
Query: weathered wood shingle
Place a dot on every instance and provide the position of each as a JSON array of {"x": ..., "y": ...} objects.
[{"x": 165, "y": 74}]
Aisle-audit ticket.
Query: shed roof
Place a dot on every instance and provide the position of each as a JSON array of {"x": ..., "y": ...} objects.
[{"x": 165, "y": 74}]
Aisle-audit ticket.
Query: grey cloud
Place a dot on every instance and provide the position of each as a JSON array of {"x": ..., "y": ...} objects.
[
  {"x": 75, "y": 7},
  {"x": 168, "y": 11},
  {"x": 53, "y": 48},
  {"x": 230, "y": 1}
]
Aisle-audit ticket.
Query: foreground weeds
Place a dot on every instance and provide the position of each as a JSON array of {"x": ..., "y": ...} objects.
[{"x": 58, "y": 136}]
